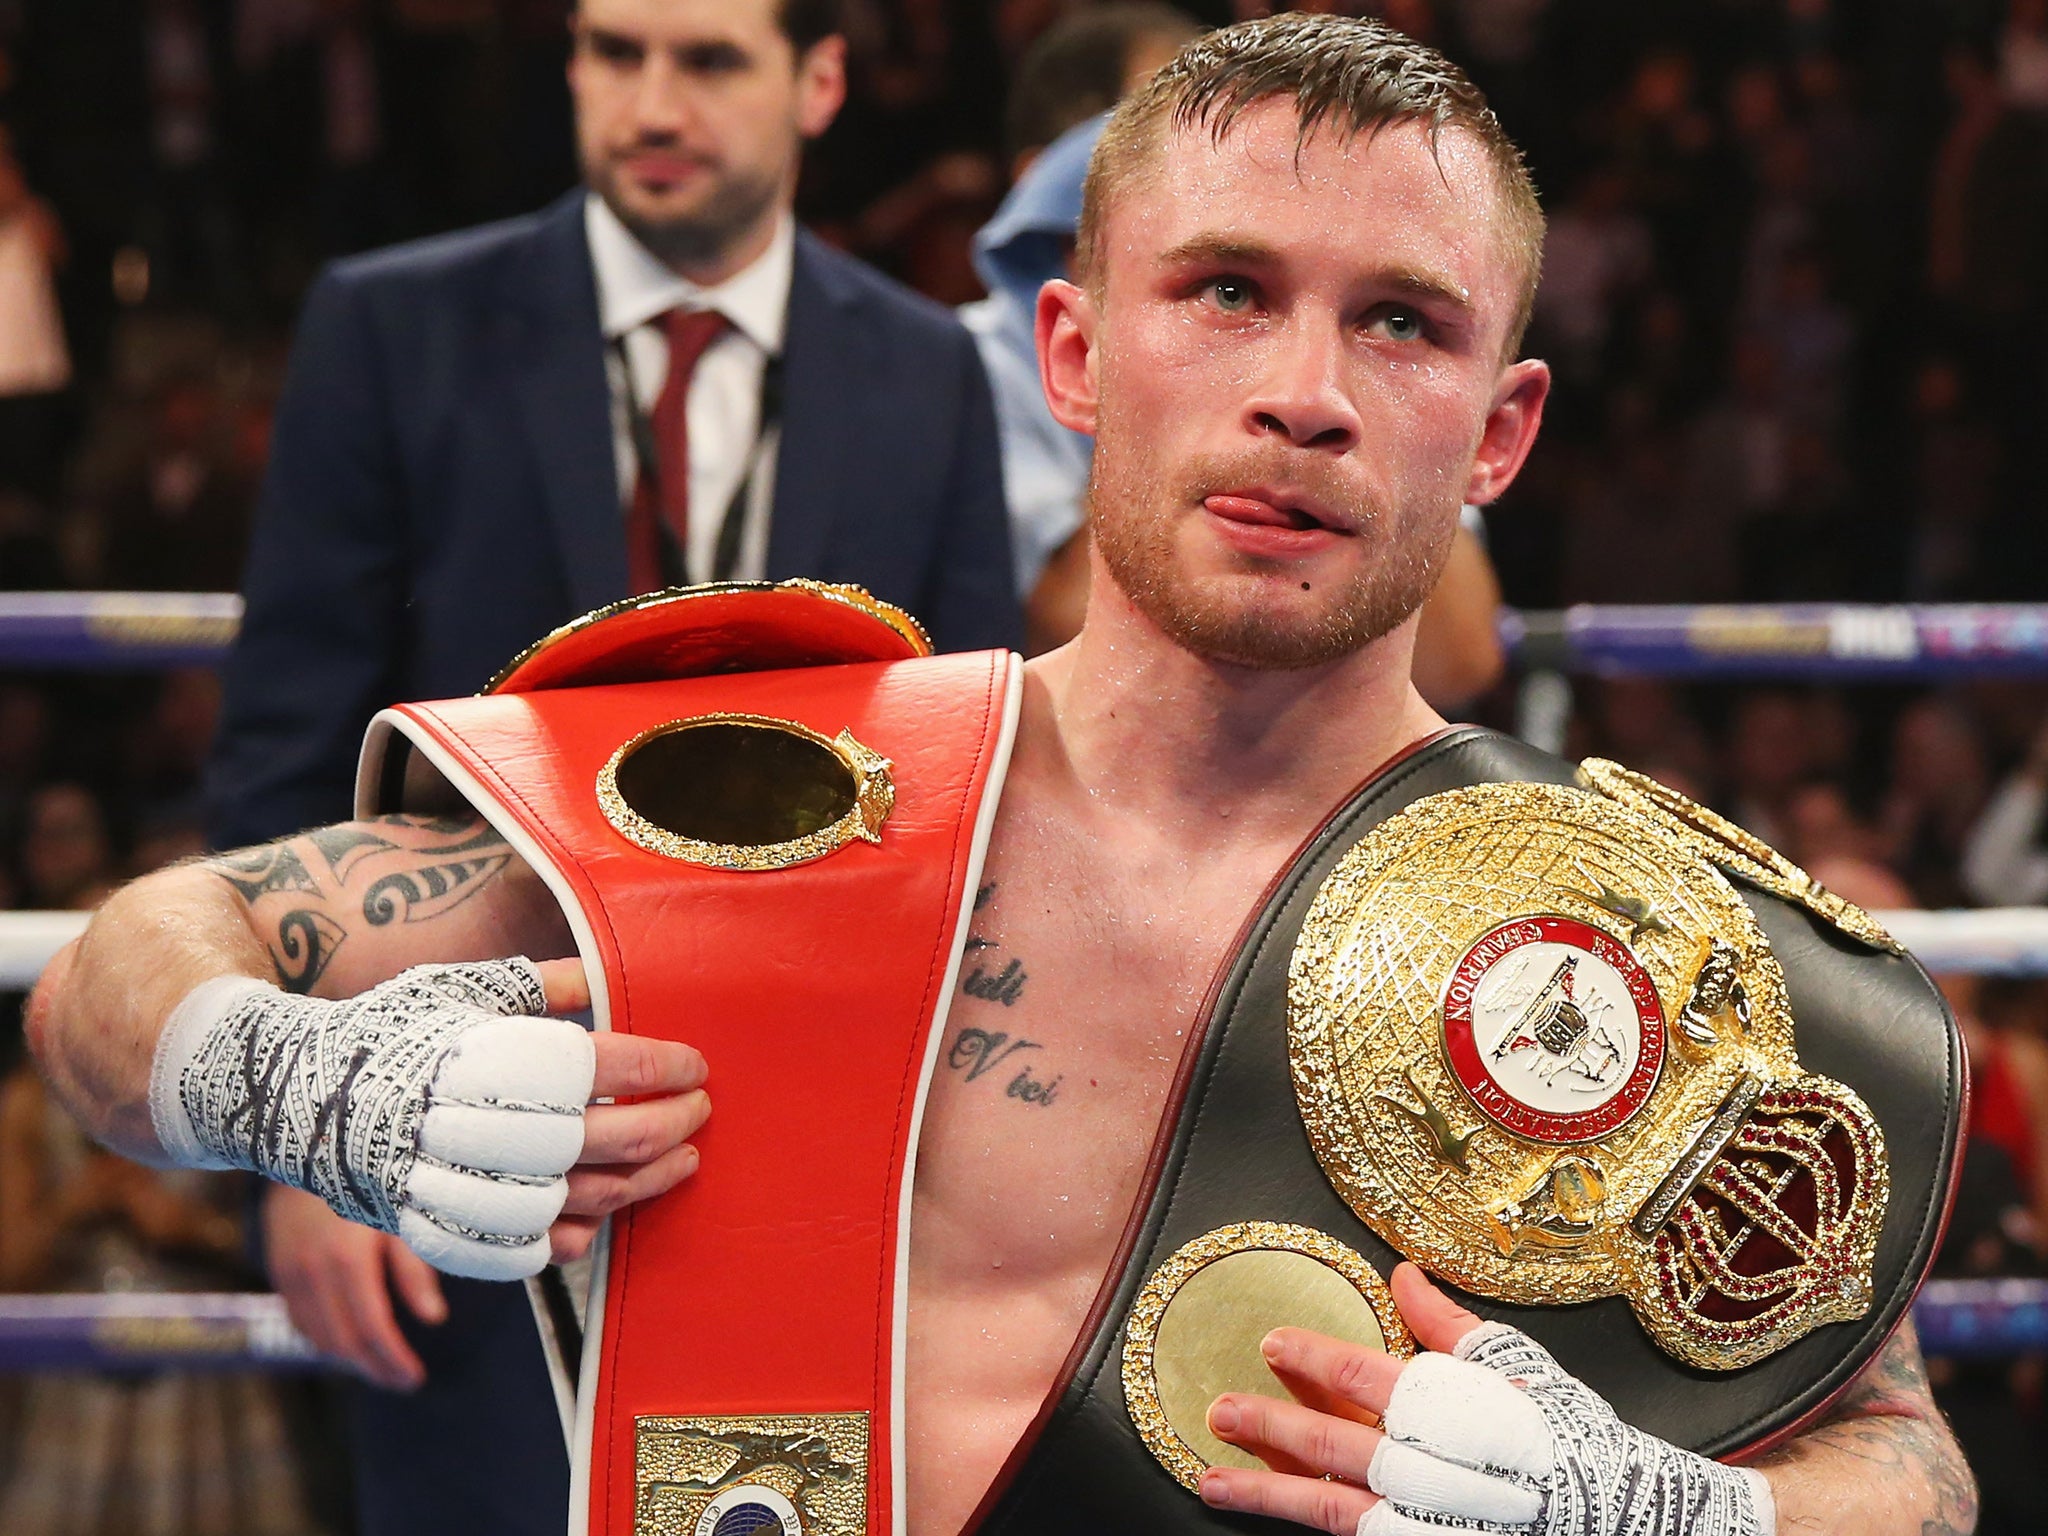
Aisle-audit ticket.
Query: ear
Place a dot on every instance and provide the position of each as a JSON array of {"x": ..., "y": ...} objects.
[
  {"x": 1510, "y": 430},
  {"x": 820, "y": 85},
  {"x": 1066, "y": 354}
]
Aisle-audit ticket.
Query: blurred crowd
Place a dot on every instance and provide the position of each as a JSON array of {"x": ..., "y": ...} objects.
[{"x": 1793, "y": 294}]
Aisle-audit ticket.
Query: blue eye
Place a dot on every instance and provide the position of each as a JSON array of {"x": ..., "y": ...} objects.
[
  {"x": 1400, "y": 325},
  {"x": 1233, "y": 295}
]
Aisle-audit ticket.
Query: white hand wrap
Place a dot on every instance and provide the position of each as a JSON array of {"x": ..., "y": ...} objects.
[
  {"x": 430, "y": 1106},
  {"x": 1496, "y": 1437}
]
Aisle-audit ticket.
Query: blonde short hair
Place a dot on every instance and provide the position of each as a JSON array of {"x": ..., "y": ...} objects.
[{"x": 1356, "y": 75}]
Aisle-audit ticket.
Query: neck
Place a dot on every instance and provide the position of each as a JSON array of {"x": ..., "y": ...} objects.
[{"x": 1147, "y": 729}]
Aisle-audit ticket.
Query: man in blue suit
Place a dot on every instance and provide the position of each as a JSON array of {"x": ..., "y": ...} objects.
[{"x": 658, "y": 379}]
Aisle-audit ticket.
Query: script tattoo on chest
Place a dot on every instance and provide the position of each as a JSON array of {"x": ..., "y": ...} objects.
[
  {"x": 976, "y": 1052},
  {"x": 989, "y": 977}
]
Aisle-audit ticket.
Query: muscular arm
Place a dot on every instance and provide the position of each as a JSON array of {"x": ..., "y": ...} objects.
[
  {"x": 329, "y": 912},
  {"x": 1882, "y": 1461}
]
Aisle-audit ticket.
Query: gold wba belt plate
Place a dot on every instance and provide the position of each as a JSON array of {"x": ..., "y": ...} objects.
[{"x": 1541, "y": 1047}]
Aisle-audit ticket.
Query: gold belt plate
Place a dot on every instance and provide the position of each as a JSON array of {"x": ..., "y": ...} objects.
[
  {"x": 1543, "y": 1048},
  {"x": 1194, "y": 1331},
  {"x": 774, "y": 1474}
]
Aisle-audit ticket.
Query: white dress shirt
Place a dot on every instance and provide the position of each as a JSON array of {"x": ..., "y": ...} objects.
[{"x": 634, "y": 289}]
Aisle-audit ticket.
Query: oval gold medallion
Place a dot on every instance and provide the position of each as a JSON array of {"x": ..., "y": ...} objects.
[
  {"x": 1194, "y": 1331},
  {"x": 745, "y": 792}
]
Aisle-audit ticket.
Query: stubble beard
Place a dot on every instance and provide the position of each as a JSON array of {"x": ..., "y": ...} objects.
[
  {"x": 1225, "y": 618},
  {"x": 708, "y": 234}
]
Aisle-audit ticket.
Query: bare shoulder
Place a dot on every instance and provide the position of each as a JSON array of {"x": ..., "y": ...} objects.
[{"x": 340, "y": 908}]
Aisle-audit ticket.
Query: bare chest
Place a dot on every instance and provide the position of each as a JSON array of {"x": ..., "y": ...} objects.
[{"x": 1077, "y": 994}]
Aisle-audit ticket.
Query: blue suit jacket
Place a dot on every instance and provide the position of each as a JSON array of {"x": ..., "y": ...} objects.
[{"x": 442, "y": 489}]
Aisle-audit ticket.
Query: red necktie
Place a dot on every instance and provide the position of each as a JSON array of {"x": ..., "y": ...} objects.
[{"x": 663, "y": 496}]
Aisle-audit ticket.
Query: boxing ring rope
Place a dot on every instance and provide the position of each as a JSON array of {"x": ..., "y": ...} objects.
[
  {"x": 1839, "y": 642},
  {"x": 1819, "y": 642}
]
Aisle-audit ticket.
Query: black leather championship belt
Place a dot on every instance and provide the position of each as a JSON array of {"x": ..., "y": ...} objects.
[{"x": 1622, "y": 1075}]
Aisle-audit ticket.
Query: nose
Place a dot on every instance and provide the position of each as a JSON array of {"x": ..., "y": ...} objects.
[
  {"x": 662, "y": 101},
  {"x": 1301, "y": 395}
]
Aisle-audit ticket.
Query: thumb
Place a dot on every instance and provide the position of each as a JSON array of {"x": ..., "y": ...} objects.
[
  {"x": 1436, "y": 1321},
  {"x": 416, "y": 1283}
]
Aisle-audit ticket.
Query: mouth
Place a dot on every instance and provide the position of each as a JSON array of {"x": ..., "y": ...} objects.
[
  {"x": 662, "y": 168},
  {"x": 1275, "y": 507}
]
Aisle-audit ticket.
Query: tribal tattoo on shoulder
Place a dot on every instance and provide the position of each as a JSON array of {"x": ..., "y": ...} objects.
[{"x": 428, "y": 866}]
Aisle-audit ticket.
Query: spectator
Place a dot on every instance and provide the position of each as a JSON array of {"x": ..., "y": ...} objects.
[
  {"x": 1952, "y": 484},
  {"x": 2023, "y": 55},
  {"x": 1770, "y": 756},
  {"x": 177, "y": 520},
  {"x": 35, "y": 364},
  {"x": 1596, "y": 256},
  {"x": 1084, "y": 64},
  {"x": 1045, "y": 466},
  {"x": 1068, "y": 80},
  {"x": 192, "y": 238},
  {"x": 101, "y": 1455},
  {"x": 1939, "y": 784},
  {"x": 67, "y": 852},
  {"x": 2005, "y": 861}
]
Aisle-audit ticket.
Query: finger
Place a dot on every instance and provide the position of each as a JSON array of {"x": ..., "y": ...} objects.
[
  {"x": 416, "y": 1283},
  {"x": 566, "y": 984},
  {"x": 493, "y": 1206},
  {"x": 1466, "y": 1414},
  {"x": 596, "y": 1191},
  {"x": 1300, "y": 1437},
  {"x": 1347, "y": 1373},
  {"x": 473, "y": 1258},
  {"x": 534, "y": 1140},
  {"x": 633, "y": 1066},
  {"x": 359, "y": 1293},
  {"x": 571, "y": 1236},
  {"x": 1436, "y": 1321},
  {"x": 304, "y": 1306},
  {"x": 307, "y": 1282},
  {"x": 537, "y": 1064},
  {"x": 1416, "y": 1480},
  {"x": 1383, "y": 1519},
  {"x": 1311, "y": 1501},
  {"x": 639, "y": 1133}
]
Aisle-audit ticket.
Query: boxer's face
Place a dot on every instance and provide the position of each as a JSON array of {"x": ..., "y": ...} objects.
[
  {"x": 1293, "y": 366},
  {"x": 690, "y": 117}
]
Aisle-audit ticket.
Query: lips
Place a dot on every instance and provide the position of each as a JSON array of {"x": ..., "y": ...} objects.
[
  {"x": 663, "y": 169},
  {"x": 1264, "y": 508}
]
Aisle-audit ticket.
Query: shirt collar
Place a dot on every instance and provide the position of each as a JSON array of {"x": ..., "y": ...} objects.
[{"x": 635, "y": 286}]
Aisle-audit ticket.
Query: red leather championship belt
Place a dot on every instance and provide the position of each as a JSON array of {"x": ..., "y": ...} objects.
[{"x": 763, "y": 810}]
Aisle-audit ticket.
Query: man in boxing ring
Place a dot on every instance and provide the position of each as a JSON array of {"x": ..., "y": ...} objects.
[{"x": 1307, "y": 257}]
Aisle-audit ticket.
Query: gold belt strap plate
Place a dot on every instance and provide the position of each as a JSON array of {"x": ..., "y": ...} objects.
[{"x": 777, "y": 1474}]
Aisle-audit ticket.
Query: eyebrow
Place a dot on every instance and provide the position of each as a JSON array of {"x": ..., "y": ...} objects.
[
  {"x": 1220, "y": 250},
  {"x": 1227, "y": 251}
]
